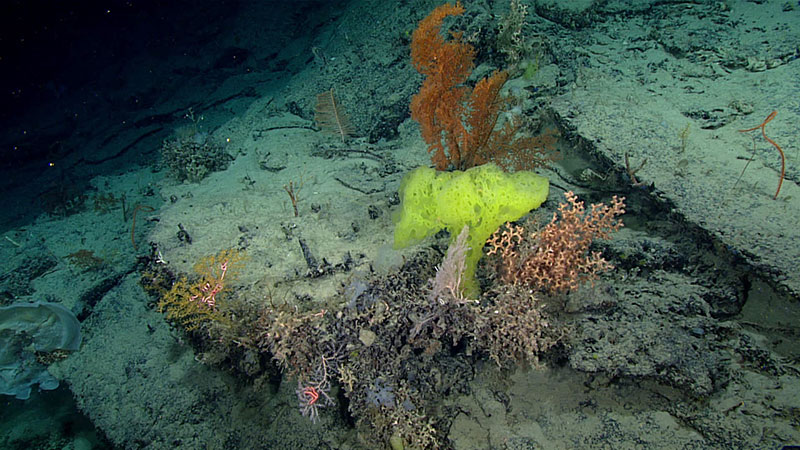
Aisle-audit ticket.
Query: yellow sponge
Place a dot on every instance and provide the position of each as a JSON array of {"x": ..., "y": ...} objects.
[{"x": 482, "y": 197}]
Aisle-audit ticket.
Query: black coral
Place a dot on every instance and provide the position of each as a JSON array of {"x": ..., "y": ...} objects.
[{"x": 331, "y": 117}]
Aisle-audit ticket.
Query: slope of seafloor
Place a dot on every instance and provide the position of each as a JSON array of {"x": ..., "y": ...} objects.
[{"x": 691, "y": 342}]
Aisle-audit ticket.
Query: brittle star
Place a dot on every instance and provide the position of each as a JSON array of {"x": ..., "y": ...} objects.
[
  {"x": 780, "y": 150},
  {"x": 311, "y": 394}
]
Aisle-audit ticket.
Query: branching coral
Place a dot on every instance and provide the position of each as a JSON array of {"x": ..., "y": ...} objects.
[
  {"x": 557, "y": 258},
  {"x": 193, "y": 304},
  {"x": 517, "y": 330},
  {"x": 191, "y": 157},
  {"x": 457, "y": 123}
]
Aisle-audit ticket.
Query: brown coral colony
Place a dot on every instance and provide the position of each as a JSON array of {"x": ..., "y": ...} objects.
[{"x": 557, "y": 258}]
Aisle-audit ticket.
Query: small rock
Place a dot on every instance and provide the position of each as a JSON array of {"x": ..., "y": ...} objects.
[{"x": 366, "y": 336}]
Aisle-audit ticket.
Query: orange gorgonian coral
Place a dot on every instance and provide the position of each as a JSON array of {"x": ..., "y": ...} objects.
[{"x": 459, "y": 124}]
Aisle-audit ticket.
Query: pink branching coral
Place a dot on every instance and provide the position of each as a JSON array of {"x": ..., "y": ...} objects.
[{"x": 557, "y": 259}]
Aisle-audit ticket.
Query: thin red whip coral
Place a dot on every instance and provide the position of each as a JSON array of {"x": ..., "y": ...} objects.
[{"x": 780, "y": 150}]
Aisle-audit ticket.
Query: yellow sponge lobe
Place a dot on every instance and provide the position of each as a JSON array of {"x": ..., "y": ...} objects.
[{"x": 482, "y": 198}]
